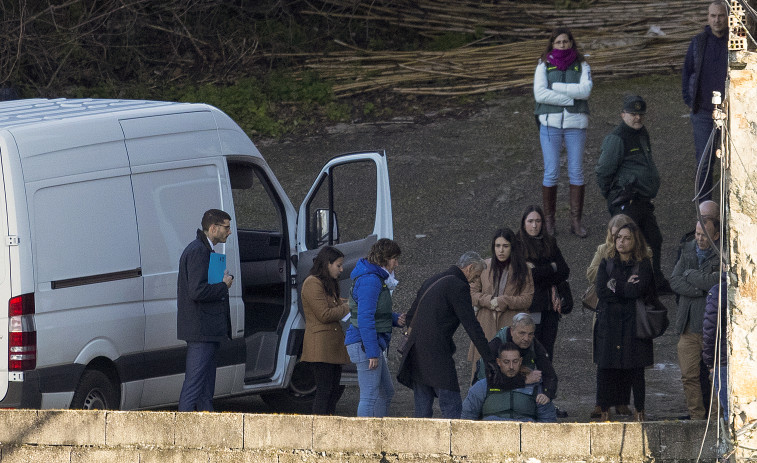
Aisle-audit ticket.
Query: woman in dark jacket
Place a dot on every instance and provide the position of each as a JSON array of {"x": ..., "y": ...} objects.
[
  {"x": 624, "y": 276},
  {"x": 548, "y": 269}
]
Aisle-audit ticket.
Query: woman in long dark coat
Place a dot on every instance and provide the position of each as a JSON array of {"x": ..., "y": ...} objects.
[{"x": 624, "y": 276}]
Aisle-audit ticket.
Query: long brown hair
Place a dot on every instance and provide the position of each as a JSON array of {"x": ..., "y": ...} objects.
[
  {"x": 327, "y": 256},
  {"x": 542, "y": 245},
  {"x": 639, "y": 251},
  {"x": 556, "y": 33}
]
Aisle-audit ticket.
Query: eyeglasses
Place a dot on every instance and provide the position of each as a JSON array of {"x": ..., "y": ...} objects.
[{"x": 227, "y": 227}]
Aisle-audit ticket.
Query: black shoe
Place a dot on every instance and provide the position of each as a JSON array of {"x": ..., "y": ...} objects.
[
  {"x": 684, "y": 417},
  {"x": 664, "y": 289},
  {"x": 561, "y": 413}
]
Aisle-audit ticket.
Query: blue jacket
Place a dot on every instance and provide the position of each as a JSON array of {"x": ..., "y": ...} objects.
[
  {"x": 368, "y": 279},
  {"x": 202, "y": 309},
  {"x": 712, "y": 312},
  {"x": 704, "y": 70}
]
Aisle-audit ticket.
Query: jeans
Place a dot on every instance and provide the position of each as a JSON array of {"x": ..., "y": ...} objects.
[
  {"x": 701, "y": 124},
  {"x": 552, "y": 140},
  {"x": 449, "y": 401},
  {"x": 721, "y": 387},
  {"x": 200, "y": 378},
  {"x": 376, "y": 388}
]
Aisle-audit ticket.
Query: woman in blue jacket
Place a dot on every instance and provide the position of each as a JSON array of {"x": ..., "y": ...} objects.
[{"x": 371, "y": 322}]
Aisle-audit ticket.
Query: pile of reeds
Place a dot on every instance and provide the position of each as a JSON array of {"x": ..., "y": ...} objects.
[{"x": 621, "y": 38}]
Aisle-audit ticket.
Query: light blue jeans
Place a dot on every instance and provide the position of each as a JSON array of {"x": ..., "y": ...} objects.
[
  {"x": 376, "y": 388},
  {"x": 552, "y": 140}
]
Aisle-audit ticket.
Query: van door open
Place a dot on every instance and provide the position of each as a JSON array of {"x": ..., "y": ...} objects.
[{"x": 349, "y": 206}]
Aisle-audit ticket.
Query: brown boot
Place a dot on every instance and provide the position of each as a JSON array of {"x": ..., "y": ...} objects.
[
  {"x": 597, "y": 412},
  {"x": 576, "y": 210},
  {"x": 639, "y": 416},
  {"x": 549, "y": 203}
]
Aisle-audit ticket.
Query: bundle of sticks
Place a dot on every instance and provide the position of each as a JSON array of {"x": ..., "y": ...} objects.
[{"x": 621, "y": 38}]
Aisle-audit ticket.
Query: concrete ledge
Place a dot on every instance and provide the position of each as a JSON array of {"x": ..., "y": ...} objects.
[{"x": 95, "y": 436}]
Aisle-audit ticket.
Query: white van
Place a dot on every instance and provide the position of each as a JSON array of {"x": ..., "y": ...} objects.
[{"x": 100, "y": 197}]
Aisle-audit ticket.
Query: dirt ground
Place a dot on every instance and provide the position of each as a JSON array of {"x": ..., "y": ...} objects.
[{"x": 458, "y": 174}]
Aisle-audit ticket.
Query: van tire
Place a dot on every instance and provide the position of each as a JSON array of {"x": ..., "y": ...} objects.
[
  {"x": 298, "y": 397},
  {"x": 95, "y": 392}
]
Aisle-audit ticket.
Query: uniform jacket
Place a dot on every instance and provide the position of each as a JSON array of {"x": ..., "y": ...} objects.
[
  {"x": 508, "y": 304},
  {"x": 569, "y": 95},
  {"x": 324, "y": 338},
  {"x": 615, "y": 341},
  {"x": 691, "y": 282},
  {"x": 478, "y": 394},
  {"x": 710, "y": 325},
  {"x": 430, "y": 346},
  {"x": 626, "y": 164},
  {"x": 202, "y": 309}
]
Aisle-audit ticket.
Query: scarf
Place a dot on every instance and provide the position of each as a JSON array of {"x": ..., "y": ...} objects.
[
  {"x": 703, "y": 254},
  {"x": 562, "y": 58}
]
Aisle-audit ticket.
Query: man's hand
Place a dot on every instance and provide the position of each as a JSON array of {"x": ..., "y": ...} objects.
[
  {"x": 494, "y": 303},
  {"x": 542, "y": 399},
  {"x": 533, "y": 377},
  {"x": 373, "y": 363},
  {"x": 402, "y": 320},
  {"x": 228, "y": 278}
]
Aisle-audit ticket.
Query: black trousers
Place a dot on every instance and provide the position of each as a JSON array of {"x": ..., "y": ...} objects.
[
  {"x": 642, "y": 213},
  {"x": 327, "y": 388},
  {"x": 546, "y": 331},
  {"x": 614, "y": 386}
]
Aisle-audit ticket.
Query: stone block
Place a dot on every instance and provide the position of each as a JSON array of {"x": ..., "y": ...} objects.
[
  {"x": 52, "y": 427},
  {"x": 682, "y": 440},
  {"x": 285, "y": 432},
  {"x": 176, "y": 455},
  {"x": 412, "y": 435},
  {"x": 209, "y": 430},
  {"x": 140, "y": 428},
  {"x": 479, "y": 438},
  {"x": 98, "y": 455},
  {"x": 35, "y": 454},
  {"x": 243, "y": 456},
  {"x": 550, "y": 440},
  {"x": 624, "y": 440},
  {"x": 339, "y": 434}
]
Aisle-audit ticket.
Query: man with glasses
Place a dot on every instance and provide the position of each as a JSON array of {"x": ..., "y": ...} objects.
[
  {"x": 629, "y": 180},
  {"x": 203, "y": 319}
]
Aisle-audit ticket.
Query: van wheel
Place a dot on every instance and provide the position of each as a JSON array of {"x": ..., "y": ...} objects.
[
  {"x": 299, "y": 396},
  {"x": 95, "y": 392}
]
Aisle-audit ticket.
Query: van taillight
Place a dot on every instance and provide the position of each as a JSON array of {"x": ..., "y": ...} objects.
[{"x": 22, "y": 339}]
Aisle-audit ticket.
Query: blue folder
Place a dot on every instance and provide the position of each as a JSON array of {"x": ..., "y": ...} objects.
[{"x": 216, "y": 268}]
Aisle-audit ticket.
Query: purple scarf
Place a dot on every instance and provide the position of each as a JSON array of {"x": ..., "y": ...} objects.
[{"x": 562, "y": 58}]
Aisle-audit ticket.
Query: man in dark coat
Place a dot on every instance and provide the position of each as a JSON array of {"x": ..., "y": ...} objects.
[
  {"x": 442, "y": 304},
  {"x": 203, "y": 319}
]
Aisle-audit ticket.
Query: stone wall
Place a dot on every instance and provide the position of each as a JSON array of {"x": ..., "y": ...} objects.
[
  {"x": 95, "y": 436},
  {"x": 742, "y": 228}
]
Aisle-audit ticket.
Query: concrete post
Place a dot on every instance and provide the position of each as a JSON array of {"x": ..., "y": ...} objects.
[{"x": 741, "y": 174}]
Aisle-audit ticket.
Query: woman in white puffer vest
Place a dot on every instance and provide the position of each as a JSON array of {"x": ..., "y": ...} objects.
[{"x": 562, "y": 84}]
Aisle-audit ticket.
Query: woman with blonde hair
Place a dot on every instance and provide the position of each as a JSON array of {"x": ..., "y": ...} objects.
[{"x": 624, "y": 275}]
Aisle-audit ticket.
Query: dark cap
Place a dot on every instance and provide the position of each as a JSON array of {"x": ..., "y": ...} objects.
[{"x": 634, "y": 104}]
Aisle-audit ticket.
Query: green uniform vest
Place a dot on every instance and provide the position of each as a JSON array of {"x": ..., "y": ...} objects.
[
  {"x": 512, "y": 404},
  {"x": 383, "y": 309},
  {"x": 638, "y": 164},
  {"x": 572, "y": 75}
]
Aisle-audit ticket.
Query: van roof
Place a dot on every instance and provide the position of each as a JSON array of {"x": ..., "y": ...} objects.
[{"x": 38, "y": 110}]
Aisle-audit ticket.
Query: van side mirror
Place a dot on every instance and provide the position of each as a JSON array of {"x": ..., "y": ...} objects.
[{"x": 324, "y": 227}]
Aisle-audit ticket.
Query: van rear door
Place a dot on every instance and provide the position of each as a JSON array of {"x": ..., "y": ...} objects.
[{"x": 5, "y": 287}]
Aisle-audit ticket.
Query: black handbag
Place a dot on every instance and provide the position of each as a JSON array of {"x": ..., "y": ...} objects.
[{"x": 651, "y": 318}]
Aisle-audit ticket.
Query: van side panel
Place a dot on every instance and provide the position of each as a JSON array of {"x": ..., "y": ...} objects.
[{"x": 5, "y": 285}]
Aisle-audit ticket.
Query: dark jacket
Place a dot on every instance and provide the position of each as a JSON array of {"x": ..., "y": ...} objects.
[
  {"x": 428, "y": 353},
  {"x": 545, "y": 277},
  {"x": 709, "y": 328},
  {"x": 535, "y": 357},
  {"x": 701, "y": 77},
  {"x": 615, "y": 341},
  {"x": 691, "y": 282},
  {"x": 202, "y": 309},
  {"x": 626, "y": 165}
]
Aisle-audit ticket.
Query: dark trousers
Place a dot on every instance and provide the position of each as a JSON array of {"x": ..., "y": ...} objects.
[
  {"x": 546, "y": 331},
  {"x": 450, "y": 402},
  {"x": 327, "y": 388},
  {"x": 642, "y": 213},
  {"x": 702, "y": 126},
  {"x": 615, "y": 384},
  {"x": 200, "y": 378}
]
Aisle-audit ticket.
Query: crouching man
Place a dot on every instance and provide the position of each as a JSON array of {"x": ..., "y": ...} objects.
[{"x": 512, "y": 394}]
